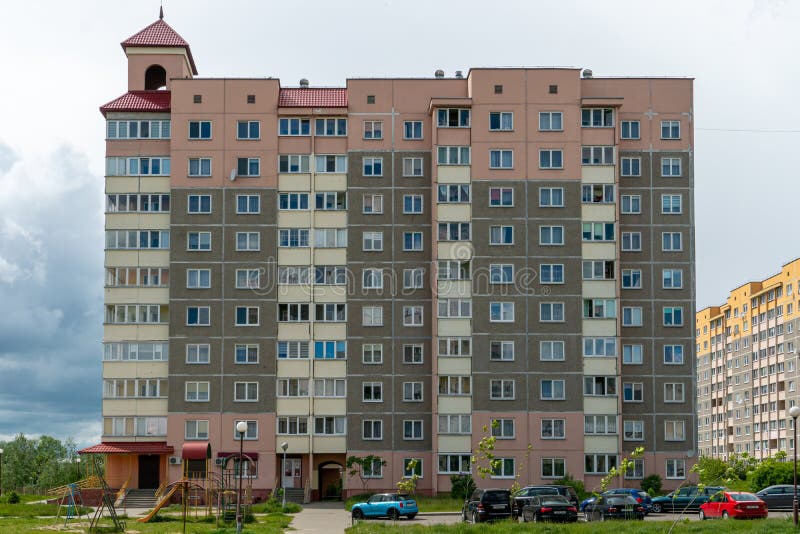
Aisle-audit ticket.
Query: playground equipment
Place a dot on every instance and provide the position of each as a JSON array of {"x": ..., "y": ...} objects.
[
  {"x": 107, "y": 503},
  {"x": 71, "y": 504}
]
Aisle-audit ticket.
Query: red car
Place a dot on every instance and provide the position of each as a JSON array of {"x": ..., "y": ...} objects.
[{"x": 735, "y": 505}]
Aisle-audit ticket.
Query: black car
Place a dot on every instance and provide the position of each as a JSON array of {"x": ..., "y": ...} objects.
[
  {"x": 549, "y": 508},
  {"x": 778, "y": 497},
  {"x": 614, "y": 507},
  {"x": 522, "y": 497},
  {"x": 486, "y": 505}
]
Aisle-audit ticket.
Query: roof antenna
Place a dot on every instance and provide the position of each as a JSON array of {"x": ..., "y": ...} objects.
[{"x": 161, "y": 11}]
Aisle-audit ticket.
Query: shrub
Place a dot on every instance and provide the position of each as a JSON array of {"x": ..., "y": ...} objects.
[
  {"x": 652, "y": 484},
  {"x": 713, "y": 471},
  {"x": 577, "y": 485},
  {"x": 13, "y": 498},
  {"x": 771, "y": 472},
  {"x": 461, "y": 486}
]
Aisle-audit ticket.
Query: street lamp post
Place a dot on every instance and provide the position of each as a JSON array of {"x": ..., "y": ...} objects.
[
  {"x": 1, "y": 471},
  {"x": 241, "y": 428},
  {"x": 794, "y": 411},
  {"x": 284, "y": 446}
]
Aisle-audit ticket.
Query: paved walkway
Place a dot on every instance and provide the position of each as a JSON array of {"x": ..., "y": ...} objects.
[{"x": 321, "y": 518}]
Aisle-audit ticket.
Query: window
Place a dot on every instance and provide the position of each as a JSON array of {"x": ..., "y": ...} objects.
[
  {"x": 501, "y": 121},
  {"x": 251, "y": 433},
  {"x": 372, "y": 353},
  {"x": 455, "y": 346},
  {"x": 455, "y": 308},
  {"x": 673, "y": 316},
  {"x": 248, "y": 130},
  {"x": 454, "y": 231},
  {"x": 199, "y": 166},
  {"x": 553, "y": 429},
  {"x": 599, "y": 347},
  {"x": 414, "y": 278},
  {"x": 455, "y": 385},
  {"x": 551, "y": 235},
  {"x": 198, "y": 316},
  {"x": 598, "y": 269},
  {"x": 412, "y": 241},
  {"x": 631, "y": 241},
  {"x": 674, "y": 431},
  {"x": 629, "y": 130},
  {"x": 330, "y": 312},
  {"x": 501, "y": 159},
  {"x": 292, "y": 313},
  {"x": 372, "y": 392},
  {"x": 632, "y": 392},
  {"x": 501, "y": 351},
  {"x": 136, "y": 313},
  {"x": 501, "y": 273},
  {"x": 671, "y": 204},
  {"x": 412, "y": 391},
  {"x": 671, "y": 241},
  {"x": 248, "y": 204},
  {"x": 331, "y": 200},
  {"x": 199, "y": 129},
  {"x": 551, "y": 351},
  {"x": 372, "y": 279},
  {"x": 292, "y": 275},
  {"x": 599, "y": 425},
  {"x": 372, "y": 204},
  {"x": 597, "y": 193},
  {"x": 412, "y": 130},
  {"x": 631, "y": 204},
  {"x": 673, "y": 392},
  {"x": 632, "y": 278},
  {"x": 248, "y": 166},
  {"x": 196, "y": 429},
  {"x": 294, "y": 126},
  {"x": 330, "y": 127},
  {"x": 598, "y": 231},
  {"x": 673, "y": 354},
  {"x": 293, "y": 426},
  {"x": 373, "y": 129},
  {"x": 551, "y": 389},
  {"x": 454, "y": 463},
  {"x": 597, "y": 155},
  {"x": 455, "y": 424},
  {"x": 330, "y": 426},
  {"x": 599, "y": 308},
  {"x": 597, "y": 117},
  {"x": 137, "y": 203},
  {"x": 553, "y": 468},
  {"x": 600, "y": 386},
  {"x": 676, "y": 469},
  {"x": 453, "y": 155},
  {"x": 135, "y": 352},
  {"x": 292, "y": 387},
  {"x": 670, "y": 129},
  {"x": 293, "y": 163},
  {"x": 452, "y": 118},
  {"x": 412, "y": 204},
  {"x": 198, "y": 353},
  {"x": 551, "y": 273},
  {"x": 504, "y": 235},
  {"x": 501, "y": 196},
  {"x": 670, "y": 167},
  {"x": 631, "y": 166},
  {"x": 372, "y": 429},
  {"x": 245, "y": 391},
  {"x": 150, "y": 166},
  {"x": 246, "y": 315},
  {"x": 453, "y": 270},
  {"x": 632, "y": 354},
  {"x": 551, "y": 159},
  {"x": 372, "y": 241},
  {"x": 551, "y": 312},
  {"x": 248, "y": 241},
  {"x": 551, "y": 121},
  {"x": 198, "y": 278},
  {"x": 135, "y": 129},
  {"x": 631, "y": 316},
  {"x": 372, "y": 316},
  {"x": 501, "y": 312},
  {"x": 336, "y": 164},
  {"x": 412, "y": 316},
  {"x": 672, "y": 278},
  {"x": 633, "y": 430},
  {"x": 413, "y": 354},
  {"x": 551, "y": 197},
  {"x": 412, "y": 430},
  {"x": 412, "y": 167},
  {"x": 330, "y": 237},
  {"x": 293, "y": 350},
  {"x": 198, "y": 240},
  {"x": 599, "y": 464},
  {"x": 246, "y": 354},
  {"x": 503, "y": 468},
  {"x": 197, "y": 391},
  {"x": 373, "y": 166},
  {"x": 502, "y": 389}
]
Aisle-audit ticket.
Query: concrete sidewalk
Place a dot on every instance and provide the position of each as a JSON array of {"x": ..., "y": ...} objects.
[{"x": 321, "y": 518}]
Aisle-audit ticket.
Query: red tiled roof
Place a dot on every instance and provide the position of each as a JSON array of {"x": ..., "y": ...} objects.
[
  {"x": 124, "y": 447},
  {"x": 159, "y": 33},
  {"x": 139, "y": 101},
  {"x": 302, "y": 97}
]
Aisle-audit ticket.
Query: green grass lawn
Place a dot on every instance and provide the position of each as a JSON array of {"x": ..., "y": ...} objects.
[
  {"x": 28, "y": 510},
  {"x": 767, "y": 526},
  {"x": 440, "y": 503}
]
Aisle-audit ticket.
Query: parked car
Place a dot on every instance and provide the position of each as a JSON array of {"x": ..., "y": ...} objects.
[
  {"x": 522, "y": 497},
  {"x": 614, "y": 507},
  {"x": 549, "y": 508},
  {"x": 688, "y": 498},
  {"x": 391, "y": 505},
  {"x": 778, "y": 497},
  {"x": 734, "y": 505},
  {"x": 486, "y": 505},
  {"x": 641, "y": 497}
]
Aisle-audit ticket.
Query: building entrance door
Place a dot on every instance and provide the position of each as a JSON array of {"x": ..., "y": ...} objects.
[
  {"x": 292, "y": 475},
  {"x": 148, "y": 471}
]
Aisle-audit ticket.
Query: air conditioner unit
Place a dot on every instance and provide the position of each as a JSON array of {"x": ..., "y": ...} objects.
[
  {"x": 174, "y": 460},
  {"x": 219, "y": 461}
]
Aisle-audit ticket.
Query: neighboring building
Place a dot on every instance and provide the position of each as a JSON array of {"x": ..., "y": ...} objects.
[
  {"x": 747, "y": 368},
  {"x": 388, "y": 266}
]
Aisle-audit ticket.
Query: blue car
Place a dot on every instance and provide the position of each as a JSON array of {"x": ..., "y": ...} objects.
[
  {"x": 391, "y": 505},
  {"x": 641, "y": 497}
]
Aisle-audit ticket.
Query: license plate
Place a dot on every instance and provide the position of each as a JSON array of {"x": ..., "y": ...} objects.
[
  {"x": 629, "y": 508},
  {"x": 499, "y": 507},
  {"x": 560, "y": 512},
  {"x": 752, "y": 507}
]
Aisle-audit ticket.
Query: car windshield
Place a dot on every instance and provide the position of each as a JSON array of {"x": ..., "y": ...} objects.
[
  {"x": 497, "y": 496},
  {"x": 744, "y": 497},
  {"x": 620, "y": 499}
]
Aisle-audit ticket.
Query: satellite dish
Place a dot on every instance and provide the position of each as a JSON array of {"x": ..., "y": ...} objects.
[{"x": 233, "y": 175}]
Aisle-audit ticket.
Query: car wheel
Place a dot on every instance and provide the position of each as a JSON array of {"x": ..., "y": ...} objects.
[
  {"x": 657, "y": 508},
  {"x": 393, "y": 514},
  {"x": 702, "y": 515},
  {"x": 412, "y": 516},
  {"x": 463, "y": 515},
  {"x": 358, "y": 514},
  {"x": 475, "y": 517},
  {"x": 725, "y": 515}
]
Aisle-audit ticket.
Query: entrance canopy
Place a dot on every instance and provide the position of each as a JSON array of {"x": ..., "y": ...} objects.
[
  {"x": 122, "y": 447},
  {"x": 196, "y": 451}
]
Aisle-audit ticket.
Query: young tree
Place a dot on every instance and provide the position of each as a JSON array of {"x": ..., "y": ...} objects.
[
  {"x": 409, "y": 484},
  {"x": 363, "y": 467},
  {"x": 486, "y": 461}
]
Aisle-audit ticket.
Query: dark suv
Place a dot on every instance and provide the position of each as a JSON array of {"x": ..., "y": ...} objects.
[
  {"x": 523, "y": 496},
  {"x": 487, "y": 504}
]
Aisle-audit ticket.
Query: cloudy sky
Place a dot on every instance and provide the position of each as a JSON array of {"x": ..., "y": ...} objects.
[{"x": 61, "y": 60}]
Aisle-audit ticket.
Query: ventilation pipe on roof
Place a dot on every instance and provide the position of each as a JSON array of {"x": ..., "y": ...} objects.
[
  {"x": 587, "y": 73},
  {"x": 459, "y": 74},
  {"x": 439, "y": 73},
  {"x": 304, "y": 83}
]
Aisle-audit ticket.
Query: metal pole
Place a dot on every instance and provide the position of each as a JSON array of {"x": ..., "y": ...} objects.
[
  {"x": 239, "y": 496},
  {"x": 794, "y": 502},
  {"x": 1, "y": 472},
  {"x": 283, "y": 474}
]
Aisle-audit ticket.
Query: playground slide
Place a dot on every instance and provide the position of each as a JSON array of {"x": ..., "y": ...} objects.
[{"x": 163, "y": 502}]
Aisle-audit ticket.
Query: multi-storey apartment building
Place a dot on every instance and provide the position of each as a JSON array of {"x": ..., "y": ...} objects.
[
  {"x": 747, "y": 368},
  {"x": 390, "y": 266}
]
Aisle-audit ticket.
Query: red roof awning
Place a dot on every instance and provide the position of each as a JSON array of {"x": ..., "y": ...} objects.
[
  {"x": 252, "y": 455},
  {"x": 133, "y": 101},
  {"x": 196, "y": 451},
  {"x": 316, "y": 97},
  {"x": 123, "y": 447}
]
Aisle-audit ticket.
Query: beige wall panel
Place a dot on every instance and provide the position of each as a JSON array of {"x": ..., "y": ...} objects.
[
  {"x": 145, "y": 221},
  {"x": 293, "y": 331},
  {"x": 337, "y": 444},
  {"x": 454, "y": 288},
  {"x": 117, "y": 332},
  {"x": 460, "y": 444},
  {"x": 285, "y": 406},
  {"x": 599, "y": 212},
  {"x": 598, "y": 174},
  {"x": 133, "y": 258},
  {"x": 333, "y": 331},
  {"x": 293, "y": 293},
  {"x": 600, "y": 405},
  {"x": 329, "y": 369},
  {"x": 130, "y": 407},
  {"x": 130, "y": 295},
  {"x": 601, "y": 444},
  {"x": 454, "y": 366},
  {"x": 294, "y": 256},
  {"x": 453, "y": 175},
  {"x": 600, "y": 327},
  {"x": 294, "y": 368},
  {"x": 294, "y": 182},
  {"x": 135, "y": 369},
  {"x": 454, "y": 327},
  {"x": 297, "y": 444},
  {"x": 294, "y": 219},
  {"x": 599, "y": 366},
  {"x": 599, "y": 251},
  {"x": 330, "y": 182},
  {"x": 454, "y": 212},
  {"x": 330, "y": 256},
  {"x": 330, "y": 219},
  {"x": 606, "y": 289},
  {"x": 455, "y": 405},
  {"x": 458, "y": 250}
]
